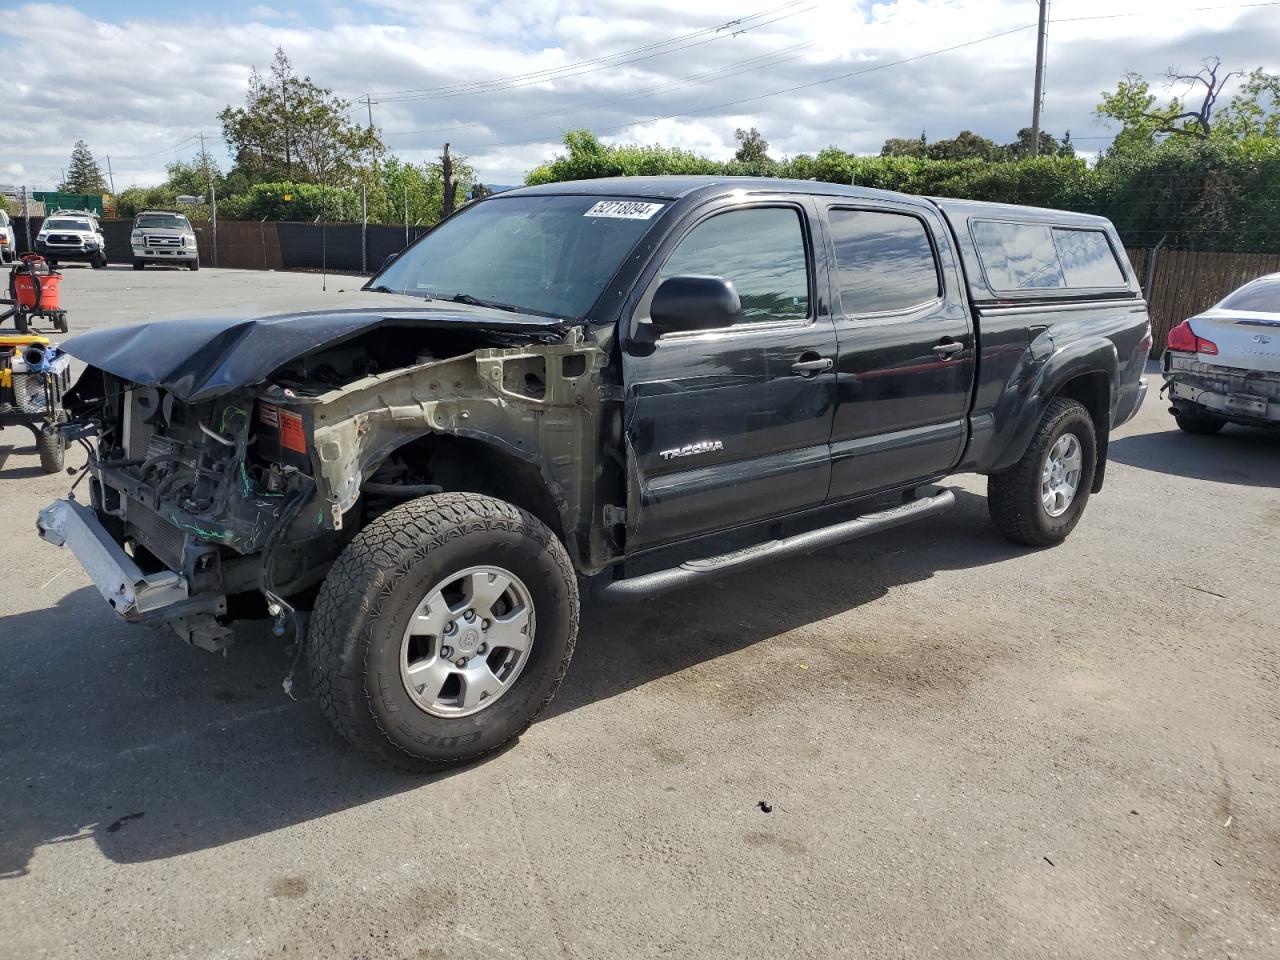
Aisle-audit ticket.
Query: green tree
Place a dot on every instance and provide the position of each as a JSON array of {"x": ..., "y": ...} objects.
[
  {"x": 1021, "y": 147},
  {"x": 1253, "y": 112},
  {"x": 966, "y": 145},
  {"x": 905, "y": 147},
  {"x": 752, "y": 146},
  {"x": 83, "y": 173},
  {"x": 296, "y": 130},
  {"x": 1255, "y": 109}
]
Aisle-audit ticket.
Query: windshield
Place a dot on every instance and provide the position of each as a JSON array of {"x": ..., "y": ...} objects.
[
  {"x": 172, "y": 221},
  {"x": 61, "y": 223},
  {"x": 547, "y": 255},
  {"x": 1261, "y": 296}
]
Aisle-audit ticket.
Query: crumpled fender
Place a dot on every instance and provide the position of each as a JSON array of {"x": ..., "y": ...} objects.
[{"x": 1032, "y": 396}]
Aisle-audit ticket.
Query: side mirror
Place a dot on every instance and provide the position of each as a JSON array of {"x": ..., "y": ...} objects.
[
  {"x": 391, "y": 258},
  {"x": 694, "y": 303}
]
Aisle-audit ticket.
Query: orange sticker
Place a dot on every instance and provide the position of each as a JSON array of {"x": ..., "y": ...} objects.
[{"x": 291, "y": 434}]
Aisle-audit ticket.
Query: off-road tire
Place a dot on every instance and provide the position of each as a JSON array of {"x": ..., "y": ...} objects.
[
  {"x": 1198, "y": 424},
  {"x": 52, "y": 449},
  {"x": 354, "y": 642},
  {"x": 1013, "y": 495},
  {"x": 139, "y": 265}
]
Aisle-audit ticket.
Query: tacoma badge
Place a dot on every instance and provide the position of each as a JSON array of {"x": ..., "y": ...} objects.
[{"x": 689, "y": 449}]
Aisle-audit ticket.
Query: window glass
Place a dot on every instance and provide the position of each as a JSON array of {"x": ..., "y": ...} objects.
[
  {"x": 885, "y": 261},
  {"x": 1018, "y": 256},
  {"x": 1087, "y": 258},
  {"x": 761, "y": 251},
  {"x": 173, "y": 221},
  {"x": 1262, "y": 296},
  {"x": 64, "y": 224},
  {"x": 541, "y": 254}
]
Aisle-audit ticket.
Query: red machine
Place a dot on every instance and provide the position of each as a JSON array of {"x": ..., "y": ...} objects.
[{"x": 33, "y": 292}]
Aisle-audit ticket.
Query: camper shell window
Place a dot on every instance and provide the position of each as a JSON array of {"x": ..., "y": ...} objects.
[{"x": 1024, "y": 256}]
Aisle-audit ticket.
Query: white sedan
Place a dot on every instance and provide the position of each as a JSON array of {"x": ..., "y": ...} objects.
[{"x": 1223, "y": 365}]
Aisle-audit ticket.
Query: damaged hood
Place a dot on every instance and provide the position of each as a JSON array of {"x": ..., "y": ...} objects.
[{"x": 200, "y": 357}]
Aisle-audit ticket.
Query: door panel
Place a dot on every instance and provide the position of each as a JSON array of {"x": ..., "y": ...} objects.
[
  {"x": 905, "y": 366},
  {"x": 721, "y": 430}
]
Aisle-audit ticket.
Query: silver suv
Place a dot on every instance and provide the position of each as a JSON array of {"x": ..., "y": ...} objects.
[{"x": 162, "y": 237}]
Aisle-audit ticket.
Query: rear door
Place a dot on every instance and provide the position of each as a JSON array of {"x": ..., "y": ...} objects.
[
  {"x": 732, "y": 426},
  {"x": 906, "y": 347}
]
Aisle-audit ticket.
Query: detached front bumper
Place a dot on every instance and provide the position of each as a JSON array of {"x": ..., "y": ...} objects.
[{"x": 136, "y": 596}]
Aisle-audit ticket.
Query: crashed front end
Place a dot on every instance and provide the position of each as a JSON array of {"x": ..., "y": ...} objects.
[
  {"x": 186, "y": 502},
  {"x": 205, "y": 494}
]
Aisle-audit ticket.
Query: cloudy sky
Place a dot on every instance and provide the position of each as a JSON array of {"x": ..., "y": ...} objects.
[{"x": 504, "y": 79}]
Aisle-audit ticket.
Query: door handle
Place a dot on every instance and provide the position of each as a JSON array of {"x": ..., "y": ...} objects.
[
  {"x": 807, "y": 368},
  {"x": 947, "y": 349}
]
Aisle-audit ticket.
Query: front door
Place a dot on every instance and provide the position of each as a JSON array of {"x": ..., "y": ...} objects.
[
  {"x": 731, "y": 426},
  {"x": 906, "y": 360}
]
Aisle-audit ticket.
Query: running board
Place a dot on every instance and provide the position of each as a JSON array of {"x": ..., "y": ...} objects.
[{"x": 708, "y": 568}]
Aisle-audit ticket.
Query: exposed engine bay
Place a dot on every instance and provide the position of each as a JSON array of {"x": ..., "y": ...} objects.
[{"x": 253, "y": 491}]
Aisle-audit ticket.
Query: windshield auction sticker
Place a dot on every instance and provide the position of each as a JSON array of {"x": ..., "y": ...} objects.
[{"x": 624, "y": 209}]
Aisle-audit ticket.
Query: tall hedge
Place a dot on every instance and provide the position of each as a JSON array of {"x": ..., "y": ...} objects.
[{"x": 1214, "y": 195}]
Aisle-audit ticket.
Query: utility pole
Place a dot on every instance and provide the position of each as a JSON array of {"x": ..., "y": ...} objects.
[
  {"x": 111, "y": 177},
  {"x": 368, "y": 102},
  {"x": 1039, "y": 94},
  {"x": 284, "y": 112}
]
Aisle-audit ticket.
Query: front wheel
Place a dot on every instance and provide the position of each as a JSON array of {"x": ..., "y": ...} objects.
[
  {"x": 193, "y": 264},
  {"x": 443, "y": 630},
  {"x": 139, "y": 264},
  {"x": 1040, "y": 499}
]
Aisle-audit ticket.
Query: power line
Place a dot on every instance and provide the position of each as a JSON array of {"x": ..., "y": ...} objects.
[
  {"x": 757, "y": 62},
  {"x": 546, "y": 73},
  {"x": 792, "y": 89}
]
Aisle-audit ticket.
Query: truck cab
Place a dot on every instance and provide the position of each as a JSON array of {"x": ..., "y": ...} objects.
[{"x": 590, "y": 386}]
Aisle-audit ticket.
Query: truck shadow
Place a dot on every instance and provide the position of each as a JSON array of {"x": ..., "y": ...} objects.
[
  {"x": 149, "y": 750},
  {"x": 1239, "y": 455}
]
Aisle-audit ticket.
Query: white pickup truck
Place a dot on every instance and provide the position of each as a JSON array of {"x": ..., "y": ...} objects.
[{"x": 162, "y": 237}]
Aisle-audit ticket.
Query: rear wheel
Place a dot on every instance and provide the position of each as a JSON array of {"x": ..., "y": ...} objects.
[
  {"x": 1039, "y": 500},
  {"x": 1200, "y": 424},
  {"x": 443, "y": 630}
]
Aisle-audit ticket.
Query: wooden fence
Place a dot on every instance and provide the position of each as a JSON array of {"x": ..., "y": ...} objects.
[{"x": 1187, "y": 281}]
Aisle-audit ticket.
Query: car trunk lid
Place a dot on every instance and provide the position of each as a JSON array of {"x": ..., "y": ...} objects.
[{"x": 1247, "y": 340}]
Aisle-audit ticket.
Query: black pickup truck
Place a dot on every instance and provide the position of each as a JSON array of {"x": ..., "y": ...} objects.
[{"x": 589, "y": 385}]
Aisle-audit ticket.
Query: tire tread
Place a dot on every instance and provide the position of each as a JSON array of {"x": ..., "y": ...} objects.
[{"x": 365, "y": 574}]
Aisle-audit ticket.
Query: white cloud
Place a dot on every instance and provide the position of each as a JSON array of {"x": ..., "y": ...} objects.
[{"x": 138, "y": 88}]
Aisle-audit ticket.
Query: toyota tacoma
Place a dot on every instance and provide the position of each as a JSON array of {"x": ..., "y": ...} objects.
[{"x": 584, "y": 387}]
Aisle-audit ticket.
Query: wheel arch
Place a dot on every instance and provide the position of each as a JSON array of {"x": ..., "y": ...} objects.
[
  {"x": 1086, "y": 371},
  {"x": 483, "y": 464}
]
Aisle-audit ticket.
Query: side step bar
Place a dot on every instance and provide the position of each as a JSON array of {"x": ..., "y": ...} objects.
[{"x": 708, "y": 568}]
